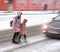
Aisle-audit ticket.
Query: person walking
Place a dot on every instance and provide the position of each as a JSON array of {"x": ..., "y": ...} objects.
[
  {"x": 16, "y": 27},
  {"x": 23, "y": 30}
]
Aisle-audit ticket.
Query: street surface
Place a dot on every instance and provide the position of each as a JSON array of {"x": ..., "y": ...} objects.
[
  {"x": 47, "y": 45},
  {"x": 34, "y": 18}
]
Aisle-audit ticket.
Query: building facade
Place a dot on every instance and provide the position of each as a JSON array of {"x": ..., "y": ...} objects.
[{"x": 31, "y": 5}]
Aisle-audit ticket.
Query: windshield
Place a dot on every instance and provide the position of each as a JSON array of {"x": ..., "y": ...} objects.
[{"x": 57, "y": 18}]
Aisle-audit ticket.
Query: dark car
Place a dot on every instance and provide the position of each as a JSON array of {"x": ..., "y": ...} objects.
[{"x": 52, "y": 28}]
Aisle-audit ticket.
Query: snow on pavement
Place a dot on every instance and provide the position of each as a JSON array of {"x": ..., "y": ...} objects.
[{"x": 32, "y": 20}]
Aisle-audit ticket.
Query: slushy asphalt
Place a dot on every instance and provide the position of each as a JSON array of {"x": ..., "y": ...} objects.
[{"x": 7, "y": 46}]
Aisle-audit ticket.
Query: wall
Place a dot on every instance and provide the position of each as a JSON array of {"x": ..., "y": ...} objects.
[{"x": 28, "y": 5}]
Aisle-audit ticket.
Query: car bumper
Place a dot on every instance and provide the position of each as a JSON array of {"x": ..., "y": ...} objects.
[{"x": 52, "y": 34}]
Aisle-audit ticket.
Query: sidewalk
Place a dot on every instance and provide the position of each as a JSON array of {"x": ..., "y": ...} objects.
[
  {"x": 8, "y": 46},
  {"x": 30, "y": 12},
  {"x": 7, "y": 13}
]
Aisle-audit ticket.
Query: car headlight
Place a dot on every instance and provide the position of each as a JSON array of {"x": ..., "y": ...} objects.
[{"x": 45, "y": 26}]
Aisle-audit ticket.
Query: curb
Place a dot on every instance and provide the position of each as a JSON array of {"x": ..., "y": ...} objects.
[{"x": 22, "y": 45}]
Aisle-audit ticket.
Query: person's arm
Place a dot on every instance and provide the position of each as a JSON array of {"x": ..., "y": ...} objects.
[{"x": 14, "y": 23}]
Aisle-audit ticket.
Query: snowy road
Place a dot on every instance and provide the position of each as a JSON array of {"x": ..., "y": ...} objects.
[
  {"x": 32, "y": 19},
  {"x": 48, "y": 45}
]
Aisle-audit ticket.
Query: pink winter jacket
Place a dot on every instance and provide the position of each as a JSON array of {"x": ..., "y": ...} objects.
[
  {"x": 23, "y": 28},
  {"x": 15, "y": 25}
]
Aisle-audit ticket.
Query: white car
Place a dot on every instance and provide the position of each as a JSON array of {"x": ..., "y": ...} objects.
[{"x": 53, "y": 27}]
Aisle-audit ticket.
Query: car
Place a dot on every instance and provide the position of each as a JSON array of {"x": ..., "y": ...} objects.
[{"x": 52, "y": 28}]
